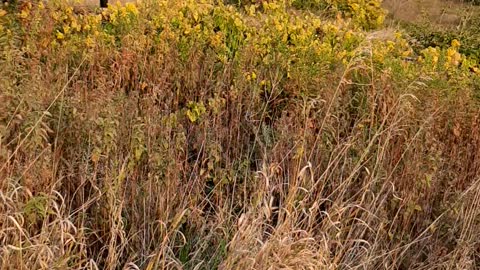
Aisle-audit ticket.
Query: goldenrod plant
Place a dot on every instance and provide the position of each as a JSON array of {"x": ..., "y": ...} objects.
[{"x": 234, "y": 135}]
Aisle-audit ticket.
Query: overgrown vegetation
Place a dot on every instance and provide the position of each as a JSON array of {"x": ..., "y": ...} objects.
[
  {"x": 435, "y": 23},
  {"x": 428, "y": 36},
  {"x": 256, "y": 135}
]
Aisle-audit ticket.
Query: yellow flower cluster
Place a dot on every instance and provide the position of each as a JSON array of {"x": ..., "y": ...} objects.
[
  {"x": 119, "y": 13},
  {"x": 450, "y": 59},
  {"x": 299, "y": 44},
  {"x": 453, "y": 57},
  {"x": 430, "y": 56},
  {"x": 366, "y": 14}
]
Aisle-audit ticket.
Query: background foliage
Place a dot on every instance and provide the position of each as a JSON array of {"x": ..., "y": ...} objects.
[{"x": 248, "y": 135}]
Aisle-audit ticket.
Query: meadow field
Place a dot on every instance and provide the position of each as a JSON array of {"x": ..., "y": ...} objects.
[{"x": 240, "y": 134}]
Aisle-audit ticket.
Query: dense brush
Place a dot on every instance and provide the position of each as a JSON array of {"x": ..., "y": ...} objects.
[{"x": 198, "y": 135}]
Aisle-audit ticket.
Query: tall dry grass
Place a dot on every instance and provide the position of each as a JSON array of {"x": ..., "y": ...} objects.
[{"x": 137, "y": 155}]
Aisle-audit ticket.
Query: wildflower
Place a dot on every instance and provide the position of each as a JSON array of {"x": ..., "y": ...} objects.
[
  {"x": 24, "y": 14},
  {"x": 316, "y": 23},
  {"x": 348, "y": 35},
  {"x": 251, "y": 10},
  {"x": 432, "y": 54},
  {"x": 76, "y": 26},
  {"x": 113, "y": 18},
  {"x": 355, "y": 7},
  {"x": 237, "y": 22},
  {"x": 123, "y": 12},
  {"x": 60, "y": 35},
  {"x": 2, "y": 12},
  {"x": 89, "y": 42},
  {"x": 390, "y": 45},
  {"x": 453, "y": 57},
  {"x": 187, "y": 29},
  {"x": 56, "y": 16},
  {"x": 380, "y": 19},
  {"x": 66, "y": 29},
  {"x": 216, "y": 40},
  {"x": 279, "y": 27},
  {"x": 131, "y": 8},
  {"x": 455, "y": 43}
]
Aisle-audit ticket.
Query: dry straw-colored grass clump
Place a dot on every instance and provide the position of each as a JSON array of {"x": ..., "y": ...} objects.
[{"x": 197, "y": 135}]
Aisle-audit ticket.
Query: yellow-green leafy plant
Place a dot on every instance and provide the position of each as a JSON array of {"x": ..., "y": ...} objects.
[{"x": 252, "y": 135}]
